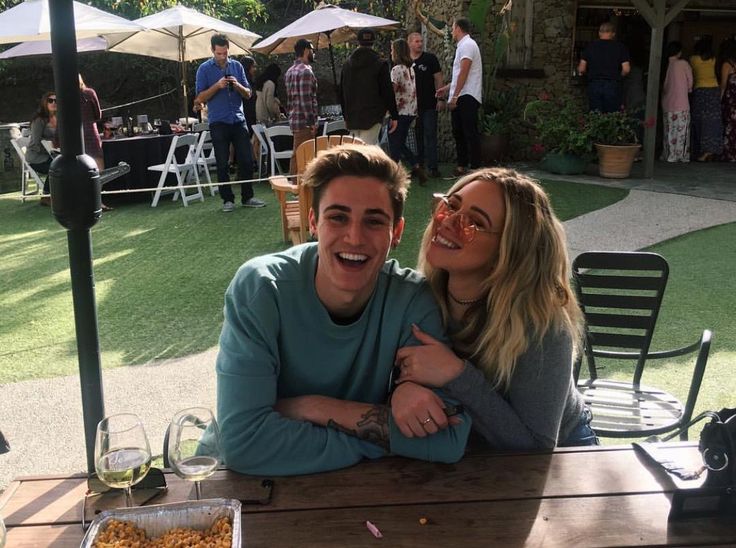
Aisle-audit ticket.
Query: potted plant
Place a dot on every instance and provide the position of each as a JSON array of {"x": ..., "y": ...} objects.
[
  {"x": 615, "y": 137},
  {"x": 561, "y": 127},
  {"x": 499, "y": 120}
]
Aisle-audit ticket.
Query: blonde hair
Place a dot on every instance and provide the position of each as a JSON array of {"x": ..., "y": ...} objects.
[{"x": 528, "y": 291}]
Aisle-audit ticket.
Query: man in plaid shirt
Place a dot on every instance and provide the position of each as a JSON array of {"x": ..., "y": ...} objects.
[{"x": 301, "y": 92}]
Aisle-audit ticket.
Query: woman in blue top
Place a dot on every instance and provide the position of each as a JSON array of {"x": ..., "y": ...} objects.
[{"x": 495, "y": 257}]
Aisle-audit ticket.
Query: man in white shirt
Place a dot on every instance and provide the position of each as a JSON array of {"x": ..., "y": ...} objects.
[{"x": 465, "y": 96}]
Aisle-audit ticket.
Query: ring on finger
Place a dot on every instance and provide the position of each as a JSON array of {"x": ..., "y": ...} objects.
[{"x": 426, "y": 421}]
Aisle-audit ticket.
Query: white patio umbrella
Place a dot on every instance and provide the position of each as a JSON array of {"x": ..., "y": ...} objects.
[
  {"x": 325, "y": 26},
  {"x": 43, "y": 47},
  {"x": 29, "y": 21},
  {"x": 180, "y": 34}
]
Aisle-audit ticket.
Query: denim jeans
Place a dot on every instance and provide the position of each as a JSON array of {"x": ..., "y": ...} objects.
[
  {"x": 397, "y": 141},
  {"x": 582, "y": 434},
  {"x": 236, "y": 134},
  {"x": 604, "y": 95},
  {"x": 426, "y": 129}
]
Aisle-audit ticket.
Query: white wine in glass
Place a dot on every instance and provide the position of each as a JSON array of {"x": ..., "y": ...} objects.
[
  {"x": 194, "y": 445},
  {"x": 122, "y": 452}
]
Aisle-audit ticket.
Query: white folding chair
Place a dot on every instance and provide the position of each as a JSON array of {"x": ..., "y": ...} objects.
[
  {"x": 205, "y": 154},
  {"x": 258, "y": 131},
  {"x": 336, "y": 127},
  {"x": 27, "y": 173},
  {"x": 276, "y": 155},
  {"x": 182, "y": 170},
  {"x": 200, "y": 126}
]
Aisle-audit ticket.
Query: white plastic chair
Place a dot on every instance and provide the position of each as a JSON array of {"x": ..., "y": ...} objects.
[
  {"x": 278, "y": 131},
  {"x": 27, "y": 173},
  {"x": 336, "y": 127},
  {"x": 205, "y": 154},
  {"x": 182, "y": 170},
  {"x": 259, "y": 132}
]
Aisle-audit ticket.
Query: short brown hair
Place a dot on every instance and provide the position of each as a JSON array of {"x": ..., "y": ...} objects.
[
  {"x": 607, "y": 27},
  {"x": 357, "y": 161}
]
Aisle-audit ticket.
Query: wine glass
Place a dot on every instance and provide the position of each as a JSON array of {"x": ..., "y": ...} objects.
[
  {"x": 2, "y": 532},
  {"x": 122, "y": 453},
  {"x": 194, "y": 445}
]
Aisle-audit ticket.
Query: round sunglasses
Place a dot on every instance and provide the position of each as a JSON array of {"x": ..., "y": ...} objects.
[{"x": 467, "y": 227}]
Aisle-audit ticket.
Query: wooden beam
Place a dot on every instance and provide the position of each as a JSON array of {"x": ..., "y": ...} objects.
[
  {"x": 655, "y": 68},
  {"x": 646, "y": 11},
  {"x": 675, "y": 11}
]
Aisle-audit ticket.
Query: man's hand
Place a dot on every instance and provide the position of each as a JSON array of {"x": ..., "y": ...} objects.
[
  {"x": 452, "y": 103},
  {"x": 442, "y": 92},
  {"x": 418, "y": 411},
  {"x": 392, "y": 125},
  {"x": 430, "y": 364}
]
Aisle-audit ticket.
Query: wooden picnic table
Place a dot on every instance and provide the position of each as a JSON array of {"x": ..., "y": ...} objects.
[{"x": 605, "y": 496}]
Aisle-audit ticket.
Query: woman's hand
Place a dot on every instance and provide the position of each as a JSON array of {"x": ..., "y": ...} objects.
[
  {"x": 418, "y": 411},
  {"x": 431, "y": 364}
]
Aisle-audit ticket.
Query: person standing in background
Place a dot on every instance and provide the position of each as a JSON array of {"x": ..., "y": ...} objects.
[
  {"x": 249, "y": 104},
  {"x": 705, "y": 103},
  {"x": 222, "y": 84},
  {"x": 466, "y": 96},
  {"x": 91, "y": 112},
  {"x": 366, "y": 92},
  {"x": 728, "y": 99},
  {"x": 428, "y": 80},
  {"x": 43, "y": 127},
  {"x": 301, "y": 93},
  {"x": 606, "y": 62},
  {"x": 268, "y": 106},
  {"x": 403, "y": 80},
  {"x": 675, "y": 105}
]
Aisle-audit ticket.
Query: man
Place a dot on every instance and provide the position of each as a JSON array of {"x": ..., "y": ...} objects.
[
  {"x": 301, "y": 92},
  {"x": 428, "y": 77},
  {"x": 310, "y": 335},
  {"x": 606, "y": 62},
  {"x": 366, "y": 92},
  {"x": 221, "y": 83},
  {"x": 465, "y": 96}
]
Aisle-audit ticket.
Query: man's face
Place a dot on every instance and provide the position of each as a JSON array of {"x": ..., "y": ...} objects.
[
  {"x": 456, "y": 32},
  {"x": 355, "y": 231},
  {"x": 310, "y": 55},
  {"x": 416, "y": 44},
  {"x": 220, "y": 54}
]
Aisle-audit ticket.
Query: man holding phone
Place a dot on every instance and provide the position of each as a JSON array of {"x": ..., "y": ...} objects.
[{"x": 222, "y": 84}]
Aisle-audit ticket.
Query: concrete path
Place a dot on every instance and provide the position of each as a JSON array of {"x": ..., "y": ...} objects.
[{"x": 42, "y": 418}]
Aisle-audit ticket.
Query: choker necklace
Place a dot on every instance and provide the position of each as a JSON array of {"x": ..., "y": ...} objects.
[{"x": 464, "y": 302}]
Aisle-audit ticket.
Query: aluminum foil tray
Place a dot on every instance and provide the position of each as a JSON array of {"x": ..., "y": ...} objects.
[{"x": 157, "y": 519}]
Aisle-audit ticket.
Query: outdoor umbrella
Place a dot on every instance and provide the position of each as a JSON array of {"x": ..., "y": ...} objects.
[
  {"x": 29, "y": 21},
  {"x": 75, "y": 192},
  {"x": 180, "y": 34},
  {"x": 43, "y": 47},
  {"x": 325, "y": 26}
]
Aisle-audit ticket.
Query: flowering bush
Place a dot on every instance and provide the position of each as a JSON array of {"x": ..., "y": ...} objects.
[
  {"x": 561, "y": 125},
  {"x": 613, "y": 128}
]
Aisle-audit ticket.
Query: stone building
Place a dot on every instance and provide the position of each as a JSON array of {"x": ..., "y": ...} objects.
[{"x": 547, "y": 37}]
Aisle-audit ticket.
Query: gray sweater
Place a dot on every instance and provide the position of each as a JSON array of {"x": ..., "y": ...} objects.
[{"x": 541, "y": 406}]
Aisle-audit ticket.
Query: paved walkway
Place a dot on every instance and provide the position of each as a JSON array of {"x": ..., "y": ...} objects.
[{"x": 46, "y": 435}]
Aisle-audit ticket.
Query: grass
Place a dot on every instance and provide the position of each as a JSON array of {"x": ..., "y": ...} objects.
[{"x": 160, "y": 274}]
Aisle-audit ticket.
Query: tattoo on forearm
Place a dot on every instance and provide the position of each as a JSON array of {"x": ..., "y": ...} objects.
[{"x": 372, "y": 426}]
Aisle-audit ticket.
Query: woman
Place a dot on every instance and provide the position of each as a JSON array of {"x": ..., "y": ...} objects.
[
  {"x": 91, "y": 112},
  {"x": 705, "y": 103},
  {"x": 249, "y": 104},
  {"x": 676, "y": 107},
  {"x": 43, "y": 128},
  {"x": 402, "y": 77},
  {"x": 728, "y": 99},
  {"x": 495, "y": 257},
  {"x": 268, "y": 106}
]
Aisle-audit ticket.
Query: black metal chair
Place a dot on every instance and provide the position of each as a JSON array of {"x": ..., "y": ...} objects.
[{"x": 620, "y": 294}]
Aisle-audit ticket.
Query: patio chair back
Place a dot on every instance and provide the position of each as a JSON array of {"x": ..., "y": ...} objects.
[
  {"x": 184, "y": 171},
  {"x": 27, "y": 173},
  {"x": 259, "y": 132},
  {"x": 620, "y": 294},
  {"x": 336, "y": 127},
  {"x": 205, "y": 154},
  {"x": 275, "y": 136}
]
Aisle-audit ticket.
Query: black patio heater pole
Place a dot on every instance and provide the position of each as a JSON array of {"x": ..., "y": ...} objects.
[{"x": 76, "y": 204}]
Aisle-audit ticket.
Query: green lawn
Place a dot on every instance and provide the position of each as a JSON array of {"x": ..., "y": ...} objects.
[{"x": 160, "y": 274}]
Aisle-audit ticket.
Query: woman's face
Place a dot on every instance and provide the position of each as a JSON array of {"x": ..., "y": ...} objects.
[
  {"x": 51, "y": 104},
  {"x": 466, "y": 230}
]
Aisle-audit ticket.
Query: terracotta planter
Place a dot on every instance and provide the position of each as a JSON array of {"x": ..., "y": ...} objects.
[
  {"x": 493, "y": 149},
  {"x": 563, "y": 163},
  {"x": 615, "y": 161}
]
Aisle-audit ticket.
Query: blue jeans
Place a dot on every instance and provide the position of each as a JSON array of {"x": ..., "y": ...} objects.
[
  {"x": 604, "y": 95},
  {"x": 397, "y": 141},
  {"x": 236, "y": 134},
  {"x": 427, "y": 138},
  {"x": 582, "y": 434}
]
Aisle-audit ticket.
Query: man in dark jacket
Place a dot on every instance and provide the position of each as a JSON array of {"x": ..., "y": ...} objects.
[{"x": 366, "y": 92}]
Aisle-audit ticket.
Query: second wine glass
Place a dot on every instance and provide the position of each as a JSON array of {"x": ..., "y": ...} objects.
[{"x": 194, "y": 445}]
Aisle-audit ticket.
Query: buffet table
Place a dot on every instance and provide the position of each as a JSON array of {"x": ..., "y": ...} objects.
[{"x": 604, "y": 496}]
